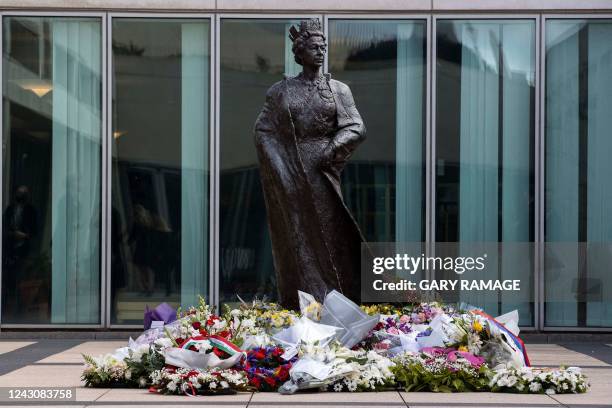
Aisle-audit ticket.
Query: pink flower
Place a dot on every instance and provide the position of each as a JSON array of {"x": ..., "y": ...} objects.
[
  {"x": 404, "y": 319},
  {"x": 392, "y": 330}
]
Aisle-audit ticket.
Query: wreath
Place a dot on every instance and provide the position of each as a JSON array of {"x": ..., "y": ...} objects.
[{"x": 266, "y": 370}]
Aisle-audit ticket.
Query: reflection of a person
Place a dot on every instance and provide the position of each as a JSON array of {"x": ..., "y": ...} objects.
[
  {"x": 117, "y": 257},
  {"x": 20, "y": 226},
  {"x": 141, "y": 238},
  {"x": 164, "y": 253}
]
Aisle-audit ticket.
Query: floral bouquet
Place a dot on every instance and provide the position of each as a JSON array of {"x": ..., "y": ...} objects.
[
  {"x": 537, "y": 380},
  {"x": 258, "y": 319},
  {"x": 265, "y": 368},
  {"x": 198, "y": 321},
  {"x": 440, "y": 369},
  {"x": 198, "y": 382},
  {"x": 371, "y": 372},
  {"x": 420, "y": 313},
  {"x": 104, "y": 371}
]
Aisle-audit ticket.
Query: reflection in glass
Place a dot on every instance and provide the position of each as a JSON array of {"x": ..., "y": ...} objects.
[
  {"x": 578, "y": 194},
  {"x": 52, "y": 90},
  {"x": 159, "y": 233},
  {"x": 485, "y": 82},
  {"x": 383, "y": 62},
  {"x": 254, "y": 55}
]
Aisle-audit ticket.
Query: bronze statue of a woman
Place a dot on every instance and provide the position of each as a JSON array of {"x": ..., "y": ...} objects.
[{"x": 307, "y": 130}]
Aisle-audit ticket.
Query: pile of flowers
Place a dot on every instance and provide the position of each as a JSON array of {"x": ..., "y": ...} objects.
[{"x": 261, "y": 346}]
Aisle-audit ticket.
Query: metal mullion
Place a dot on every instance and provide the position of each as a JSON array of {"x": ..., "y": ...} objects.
[
  {"x": 432, "y": 144},
  {"x": 539, "y": 182},
  {"x": 216, "y": 168},
  {"x": 109, "y": 163},
  {"x": 105, "y": 208},
  {"x": 430, "y": 219},
  {"x": 1, "y": 155}
]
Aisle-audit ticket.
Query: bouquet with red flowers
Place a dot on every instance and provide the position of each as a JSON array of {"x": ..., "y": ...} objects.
[
  {"x": 186, "y": 381},
  {"x": 266, "y": 370}
]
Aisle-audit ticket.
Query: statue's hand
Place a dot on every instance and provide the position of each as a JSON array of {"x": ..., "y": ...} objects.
[{"x": 329, "y": 155}]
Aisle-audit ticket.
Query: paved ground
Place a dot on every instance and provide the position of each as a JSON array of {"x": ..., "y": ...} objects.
[{"x": 59, "y": 363}]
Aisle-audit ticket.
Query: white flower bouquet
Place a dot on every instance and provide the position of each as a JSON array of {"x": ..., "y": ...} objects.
[
  {"x": 529, "y": 380},
  {"x": 185, "y": 381}
]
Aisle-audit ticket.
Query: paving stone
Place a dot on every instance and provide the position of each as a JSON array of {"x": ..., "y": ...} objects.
[
  {"x": 8, "y": 346},
  {"x": 43, "y": 376},
  {"x": 373, "y": 399},
  {"x": 120, "y": 395},
  {"x": 92, "y": 348},
  {"x": 29, "y": 354},
  {"x": 475, "y": 398},
  {"x": 553, "y": 355},
  {"x": 595, "y": 350}
]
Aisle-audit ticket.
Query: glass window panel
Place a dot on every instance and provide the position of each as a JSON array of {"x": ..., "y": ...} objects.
[
  {"x": 578, "y": 213},
  {"x": 52, "y": 88},
  {"x": 384, "y": 64},
  {"x": 485, "y": 87},
  {"x": 160, "y": 172},
  {"x": 255, "y": 53}
]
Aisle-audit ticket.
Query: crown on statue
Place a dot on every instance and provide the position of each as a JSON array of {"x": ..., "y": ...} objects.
[{"x": 307, "y": 28}]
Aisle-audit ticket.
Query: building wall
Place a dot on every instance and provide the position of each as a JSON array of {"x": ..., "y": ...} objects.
[{"x": 240, "y": 50}]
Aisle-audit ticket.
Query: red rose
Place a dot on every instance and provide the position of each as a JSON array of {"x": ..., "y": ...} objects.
[
  {"x": 203, "y": 331},
  {"x": 196, "y": 325},
  {"x": 270, "y": 381}
]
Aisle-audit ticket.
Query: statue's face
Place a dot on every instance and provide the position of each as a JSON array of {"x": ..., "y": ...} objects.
[{"x": 314, "y": 52}]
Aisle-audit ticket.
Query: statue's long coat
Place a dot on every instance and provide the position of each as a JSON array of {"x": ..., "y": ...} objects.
[{"x": 308, "y": 255}]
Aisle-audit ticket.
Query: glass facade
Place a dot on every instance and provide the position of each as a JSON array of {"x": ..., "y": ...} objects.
[
  {"x": 484, "y": 163},
  {"x": 51, "y": 179},
  {"x": 120, "y": 143},
  {"x": 254, "y": 54},
  {"x": 384, "y": 64},
  {"x": 160, "y": 130},
  {"x": 578, "y": 147}
]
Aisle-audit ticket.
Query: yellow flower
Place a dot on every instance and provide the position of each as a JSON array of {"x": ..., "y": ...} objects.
[
  {"x": 477, "y": 326},
  {"x": 463, "y": 348}
]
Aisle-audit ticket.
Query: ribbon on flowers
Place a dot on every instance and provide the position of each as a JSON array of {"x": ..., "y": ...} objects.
[
  {"x": 215, "y": 341},
  {"x": 518, "y": 343},
  {"x": 183, "y": 356}
]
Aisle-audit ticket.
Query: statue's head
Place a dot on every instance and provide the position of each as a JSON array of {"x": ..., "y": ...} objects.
[{"x": 308, "y": 43}]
